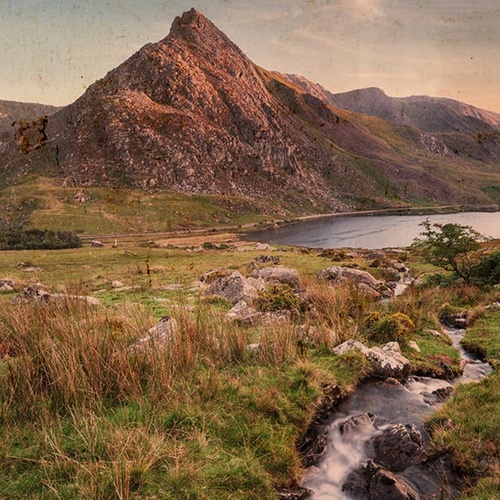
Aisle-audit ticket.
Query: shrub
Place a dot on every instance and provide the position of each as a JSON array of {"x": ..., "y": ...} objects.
[
  {"x": 488, "y": 272},
  {"x": 38, "y": 239},
  {"x": 394, "y": 327},
  {"x": 276, "y": 298}
]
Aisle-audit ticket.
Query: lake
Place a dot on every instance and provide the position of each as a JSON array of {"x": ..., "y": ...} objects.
[{"x": 374, "y": 231}]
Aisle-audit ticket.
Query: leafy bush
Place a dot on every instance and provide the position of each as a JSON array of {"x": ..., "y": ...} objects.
[
  {"x": 488, "y": 272},
  {"x": 38, "y": 239},
  {"x": 276, "y": 298},
  {"x": 394, "y": 327}
]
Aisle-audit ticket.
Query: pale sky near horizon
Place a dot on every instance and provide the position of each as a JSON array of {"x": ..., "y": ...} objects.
[{"x": 52, "y": 50}]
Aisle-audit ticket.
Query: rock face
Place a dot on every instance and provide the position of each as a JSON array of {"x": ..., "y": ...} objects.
[
  {"x": 191, "y": 113},
  {"x": 361, "y": 279}
]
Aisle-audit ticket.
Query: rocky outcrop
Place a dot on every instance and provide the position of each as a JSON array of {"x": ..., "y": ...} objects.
[{"x": 363, "y": 280}]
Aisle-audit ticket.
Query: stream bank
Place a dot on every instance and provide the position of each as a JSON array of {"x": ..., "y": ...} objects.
[{"x": 373, "y": 443}]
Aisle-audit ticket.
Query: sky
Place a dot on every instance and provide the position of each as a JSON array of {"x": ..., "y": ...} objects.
[{"x": 52, "y": 50}]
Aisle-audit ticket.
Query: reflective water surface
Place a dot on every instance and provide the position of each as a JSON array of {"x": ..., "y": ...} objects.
[{"x": 381, "y": 231}]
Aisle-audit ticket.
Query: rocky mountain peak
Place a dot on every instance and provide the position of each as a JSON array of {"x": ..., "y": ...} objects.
[{"x": 192, "y": 113}]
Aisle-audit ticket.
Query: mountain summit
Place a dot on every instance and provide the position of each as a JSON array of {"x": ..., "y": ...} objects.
[{"x": 191, "y": 113}]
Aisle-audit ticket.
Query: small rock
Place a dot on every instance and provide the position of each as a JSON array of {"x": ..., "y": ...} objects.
[
  {"x": 96, "y": 244},
  {"x": 6, "y": 286},
  {"x": 351, "y": 345},
  {"x": 386, "y": 486},
  {"x": 243, "y": 312},
  {"x": 414, "y": 346},
  {"x": 264, "y": 247},
  {"x": 267, "y": 259},
  {"x": 353, "y": 422},
  {"x": 253, "y": 348}
]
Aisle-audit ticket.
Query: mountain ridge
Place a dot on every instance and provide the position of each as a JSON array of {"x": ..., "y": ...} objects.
[{"x": 171, "y": 117}]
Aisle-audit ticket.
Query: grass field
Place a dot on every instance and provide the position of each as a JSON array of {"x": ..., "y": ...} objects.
[{"x": 86, "y": 415}]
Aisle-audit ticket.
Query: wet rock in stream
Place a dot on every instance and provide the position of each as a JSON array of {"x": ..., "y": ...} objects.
[
  {"x": 376, "y": 483},
  {"x": 399, "y": 446}
]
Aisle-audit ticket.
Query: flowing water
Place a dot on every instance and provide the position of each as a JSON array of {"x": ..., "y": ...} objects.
[
  {"x": 381, "y": 231},
  {"x": 390, "y": 403}
]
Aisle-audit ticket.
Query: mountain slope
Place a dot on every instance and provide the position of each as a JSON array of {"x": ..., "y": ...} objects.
[{"x": 174, "y": 117}]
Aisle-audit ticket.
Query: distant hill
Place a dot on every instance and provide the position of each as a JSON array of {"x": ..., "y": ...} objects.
[
  {"x": 432, "y": 114},
  {"x": 193, "y": 114},
  {"x": 10, "y": 111}
]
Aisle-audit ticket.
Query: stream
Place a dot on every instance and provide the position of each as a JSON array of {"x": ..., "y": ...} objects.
[{"x": 389, "y": 403}]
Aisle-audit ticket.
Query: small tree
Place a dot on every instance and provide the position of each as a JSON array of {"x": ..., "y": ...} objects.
[{"x": 452, "y": 247}]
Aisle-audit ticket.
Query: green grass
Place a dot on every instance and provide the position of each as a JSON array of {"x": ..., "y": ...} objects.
[
  {"x": 125, "y": 210},
  {"x": 469, "y": 425},
  {"x": 82, "y": 415}
]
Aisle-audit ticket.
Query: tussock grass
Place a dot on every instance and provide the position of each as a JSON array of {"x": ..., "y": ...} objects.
[{"x": 88, "y": 412}]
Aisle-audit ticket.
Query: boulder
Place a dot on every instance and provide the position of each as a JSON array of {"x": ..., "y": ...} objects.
[
  {"x": 213, "y": 275},
  {"x": 37, "y": 293},
  {"x": 278, "y": 274},
  {"x": 96, "y": 244},
  {"x": 241, "y": 311},
  {"x": 61, "y": 297},
  {"x": 158, "y": 335},
  {"x": 351, "y": 345},
  {"x": 30, "y": 294},
  {"x": 387, "y": 361},
  {"x": 233, "y": 288},
  {"x": 398, "y": 447},
  {"x": 377, "y": 255},
  {"x": 363, "y": 280}
]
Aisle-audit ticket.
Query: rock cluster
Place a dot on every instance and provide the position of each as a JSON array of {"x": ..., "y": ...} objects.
[
  {"x": 363, "y": 280},
  {"x": 387, "y": 361}
]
